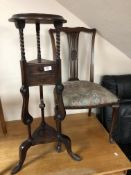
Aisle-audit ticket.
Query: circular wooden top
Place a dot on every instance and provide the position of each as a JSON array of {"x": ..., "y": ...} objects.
[{"x": 37, "y": 18}]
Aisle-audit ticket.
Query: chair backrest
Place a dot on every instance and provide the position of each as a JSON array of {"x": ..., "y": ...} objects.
[{"x": 73, "y": 41}]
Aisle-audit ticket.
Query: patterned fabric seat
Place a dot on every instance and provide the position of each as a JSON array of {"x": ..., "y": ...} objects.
[{"x": 85, "y": 93}]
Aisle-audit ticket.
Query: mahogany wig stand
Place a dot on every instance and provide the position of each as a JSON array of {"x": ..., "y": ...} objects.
[{"x": 40, "y": 72}]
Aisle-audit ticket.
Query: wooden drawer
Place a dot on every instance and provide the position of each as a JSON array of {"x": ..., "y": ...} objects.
[{"x": 39, "y": 74}]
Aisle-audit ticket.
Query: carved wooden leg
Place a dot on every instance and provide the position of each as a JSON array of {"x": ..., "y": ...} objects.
[
  {"x": 115, "y": 110},
  {"x": 89, "y": 112},
  {"x": 59, "y": 111},
  {"x": 22, "y": 155},
  {"x": 25, "y": 116},
  {"x": 59, "y": 116},
  {"x": 66, "y": 141},
  {"x": 27, "y": 120},
  {"x": 58, "y": 146},
  {"x": 42, "y": 105}
]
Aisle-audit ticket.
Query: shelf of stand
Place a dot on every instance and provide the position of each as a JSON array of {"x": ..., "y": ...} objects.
[
  {"x": 44, "y": 134},
  {"x": 33, "y": 18}
]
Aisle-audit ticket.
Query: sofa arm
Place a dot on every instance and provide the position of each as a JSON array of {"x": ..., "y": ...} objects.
[{"x": 121, "y": 86}]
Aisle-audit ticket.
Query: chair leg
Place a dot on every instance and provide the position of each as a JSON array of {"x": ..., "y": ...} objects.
[
  {"x": 2, "y": 120},
  {"x": 115, "y": 110},
  {"x": 89, "y": 112}
]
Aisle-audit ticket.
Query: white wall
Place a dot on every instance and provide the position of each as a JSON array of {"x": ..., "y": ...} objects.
[
  {"x": 111, "y": 18},
  {"x": 108, "y": 60}
]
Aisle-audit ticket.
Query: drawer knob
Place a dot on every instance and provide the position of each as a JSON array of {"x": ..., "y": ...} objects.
[{"x": 41, "y": 69}]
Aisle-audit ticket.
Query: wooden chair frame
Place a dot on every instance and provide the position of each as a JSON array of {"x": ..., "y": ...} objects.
[{"x": 73, "y": 39}]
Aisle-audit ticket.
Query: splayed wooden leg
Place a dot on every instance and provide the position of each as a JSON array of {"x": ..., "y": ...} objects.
[
  {"x": 66, "y": 141},
  {"x": 22, "y": 155}
]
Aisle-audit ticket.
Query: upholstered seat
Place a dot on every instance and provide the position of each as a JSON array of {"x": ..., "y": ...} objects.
[{"x": 85, "y": 93}]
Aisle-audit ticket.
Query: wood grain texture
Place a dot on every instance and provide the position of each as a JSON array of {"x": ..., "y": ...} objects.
[{"x": 89, "y": 139}]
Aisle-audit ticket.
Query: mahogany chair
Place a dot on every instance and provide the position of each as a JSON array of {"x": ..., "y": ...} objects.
[{"x": 81, "y": 94}]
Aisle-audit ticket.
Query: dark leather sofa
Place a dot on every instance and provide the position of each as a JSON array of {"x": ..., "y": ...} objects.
[{"x": 121, "y": 86}]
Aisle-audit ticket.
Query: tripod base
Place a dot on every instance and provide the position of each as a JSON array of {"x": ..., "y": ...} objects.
[{"x": 43, "y": 134}]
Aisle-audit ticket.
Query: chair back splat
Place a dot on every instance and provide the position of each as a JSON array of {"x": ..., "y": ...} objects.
[{"x": 73, "y": 35}]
